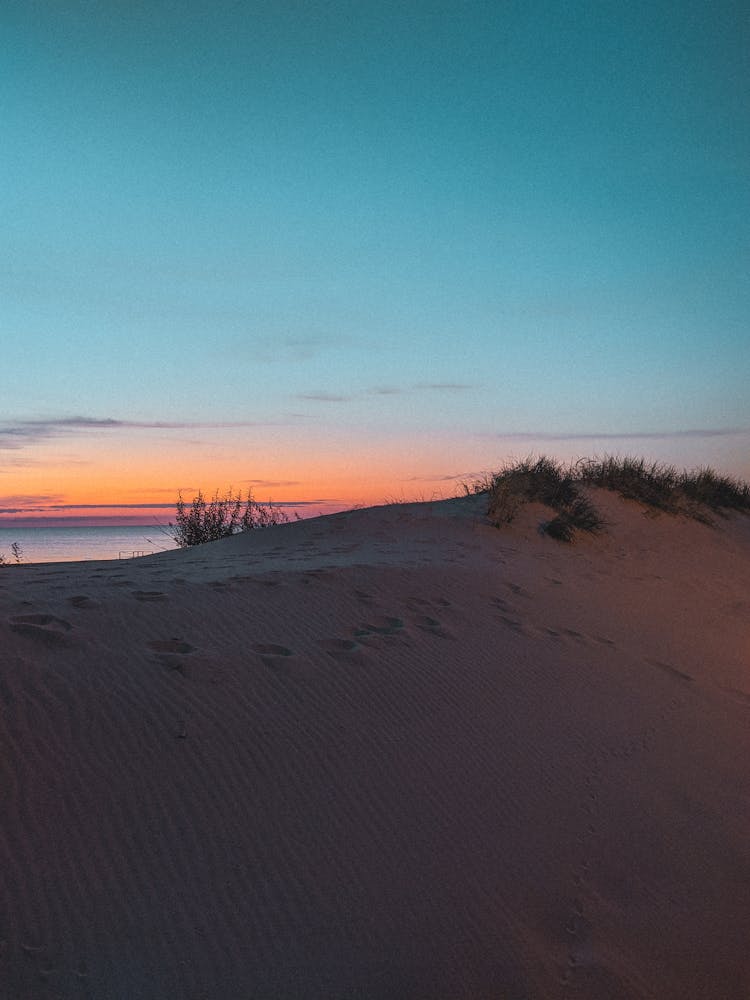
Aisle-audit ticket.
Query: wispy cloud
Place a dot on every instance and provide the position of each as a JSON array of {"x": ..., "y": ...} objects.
[
  {"x": 16, "y": 434},
  {"x": 52, "y": 504},
  {"x": 41, "y": 504},
  {"x": 385, "y": 390},
  {"x": 269, "y": 349},
  {"x": 701, "y": 432},
  {"x": 325, "y": 397},
  {"x": 167, "y": 490},
  {"x": 27, "y": 501},
  {"x": 442, "y": 478},
  {"x": 445, "y": 386},
  {"x": 273, "y": 483}
]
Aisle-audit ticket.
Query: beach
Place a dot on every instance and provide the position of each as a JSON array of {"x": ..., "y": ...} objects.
[{"x": 390, "y": 752}]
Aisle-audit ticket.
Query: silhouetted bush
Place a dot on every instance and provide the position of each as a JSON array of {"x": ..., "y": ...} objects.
[
  {"x": 204, "y": 520},
  {"x": 17, "y": 555}
]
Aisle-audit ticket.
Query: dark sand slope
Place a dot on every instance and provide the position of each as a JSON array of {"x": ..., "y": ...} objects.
[{"x": 391, "y": 753}]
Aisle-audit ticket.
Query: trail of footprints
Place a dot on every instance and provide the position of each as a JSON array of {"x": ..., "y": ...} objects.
[
  {"x": 376, "y": 631},
  {"x": 52, "y": 630}
]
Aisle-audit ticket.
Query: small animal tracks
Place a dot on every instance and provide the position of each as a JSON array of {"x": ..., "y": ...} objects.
[
  {"x": 578, "y": 934},
  {"x": 47, "y": 629},
  {"x": 523, "y": 621}
]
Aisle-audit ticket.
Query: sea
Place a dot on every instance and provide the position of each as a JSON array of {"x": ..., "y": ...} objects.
[{"x": 72, "y": 544}]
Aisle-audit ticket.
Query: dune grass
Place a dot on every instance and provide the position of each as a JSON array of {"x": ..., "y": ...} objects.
[
  {"x": 697, "y": 494},
  {"x": 546, "y": 481},
  {"x": 693, "y": 493}
]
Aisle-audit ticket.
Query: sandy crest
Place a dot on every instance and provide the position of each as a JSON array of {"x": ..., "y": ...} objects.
[{"x": 388, "y": 753}]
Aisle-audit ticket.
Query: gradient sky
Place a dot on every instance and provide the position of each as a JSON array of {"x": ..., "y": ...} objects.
[{"x": 354, "y": 252}]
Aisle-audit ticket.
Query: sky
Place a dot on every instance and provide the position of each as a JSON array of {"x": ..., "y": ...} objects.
[{"x": 348, "y": 253}]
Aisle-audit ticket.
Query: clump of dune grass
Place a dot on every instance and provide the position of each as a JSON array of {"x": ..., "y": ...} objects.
[
  {"x": 719, "y": 493},
  {"x": 546, "y": 481},
  {"x": 205, "y": 520},
  {"x": 695, "y": 494}
]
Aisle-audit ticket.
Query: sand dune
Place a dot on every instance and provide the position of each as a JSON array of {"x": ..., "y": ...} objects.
[{"x": 388, "y": 753}]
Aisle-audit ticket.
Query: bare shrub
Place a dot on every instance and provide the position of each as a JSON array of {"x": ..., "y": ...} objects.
[
  {"x": 204, "y": 520},
  {"x": 17, "y": 555}
]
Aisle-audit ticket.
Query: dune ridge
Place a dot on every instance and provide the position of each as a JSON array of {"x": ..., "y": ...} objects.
[{"x": 390, "y": 752}]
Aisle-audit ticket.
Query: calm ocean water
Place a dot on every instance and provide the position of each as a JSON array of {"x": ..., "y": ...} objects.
[{"x": 73, "y": 544}]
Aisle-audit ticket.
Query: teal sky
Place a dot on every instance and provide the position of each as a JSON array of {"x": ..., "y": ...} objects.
[{"x": 403, "y": 231}]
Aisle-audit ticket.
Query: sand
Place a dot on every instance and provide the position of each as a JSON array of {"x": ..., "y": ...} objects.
[{"x": 390, "y": 753}]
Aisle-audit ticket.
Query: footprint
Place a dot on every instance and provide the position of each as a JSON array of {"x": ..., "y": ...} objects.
[
  {"x": 83, "y": 601},
  {"x": 171, "y": 646},
  {"x": 48, "y": 629},
  {"x": 170, "y": 653},
  {"x": 364, "y": 597},
  {"x": 433, "y": 627},
  {"x": 498, "y": 602},
  {"x": 381, "y": 626},
  {"x": 514, "y": 625},
  {"x": 149, "y": 595},
  {"x": 272, "y": 654},
  {"x": 271, "y": 649},
  {"x": 343, "y": 649}
]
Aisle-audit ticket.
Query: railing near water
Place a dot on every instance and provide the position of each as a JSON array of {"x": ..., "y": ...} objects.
[{"x": 135, "y": 554}]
